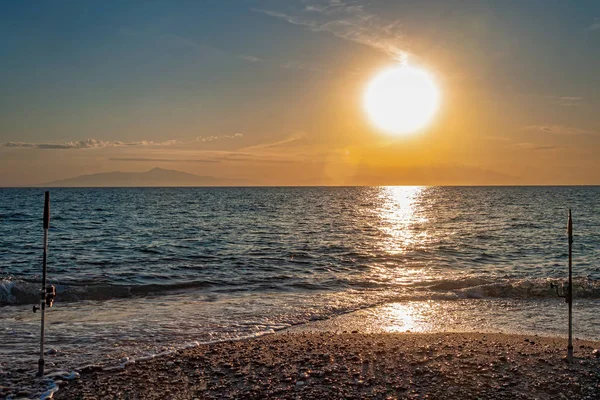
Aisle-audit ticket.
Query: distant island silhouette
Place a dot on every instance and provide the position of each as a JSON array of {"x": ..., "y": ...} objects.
[{"x": 153, "y": 177}]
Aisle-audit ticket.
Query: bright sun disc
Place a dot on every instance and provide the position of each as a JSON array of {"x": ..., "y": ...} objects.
[{"x": 401, "y": 100}]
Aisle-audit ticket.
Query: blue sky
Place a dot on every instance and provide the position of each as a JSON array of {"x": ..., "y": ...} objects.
[{"x": 280, "y": 81}]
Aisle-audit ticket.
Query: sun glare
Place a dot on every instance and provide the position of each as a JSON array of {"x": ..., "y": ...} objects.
[{"x": 401, "y": 100}]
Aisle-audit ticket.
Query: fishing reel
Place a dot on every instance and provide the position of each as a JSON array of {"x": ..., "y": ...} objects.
[
  {"x": 560, "y": 291},
  {"x": 48, "y": 296}
]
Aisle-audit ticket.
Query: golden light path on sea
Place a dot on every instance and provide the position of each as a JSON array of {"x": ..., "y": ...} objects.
[{"x": 398, "y": 214}]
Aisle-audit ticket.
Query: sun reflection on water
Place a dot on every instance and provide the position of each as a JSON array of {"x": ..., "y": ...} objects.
[
  {"x": 402, "y": 317},
  {"x": 400, "y": 219}
]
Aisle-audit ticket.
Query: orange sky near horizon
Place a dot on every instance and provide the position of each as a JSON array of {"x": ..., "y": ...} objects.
[{"x": 514, "y": 109}]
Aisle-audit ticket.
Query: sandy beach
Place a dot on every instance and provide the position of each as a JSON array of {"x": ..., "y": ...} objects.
[{"x": 317, "y": 365}]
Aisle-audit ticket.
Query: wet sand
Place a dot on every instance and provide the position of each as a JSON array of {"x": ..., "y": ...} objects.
[{"x": 320, "y": 365}]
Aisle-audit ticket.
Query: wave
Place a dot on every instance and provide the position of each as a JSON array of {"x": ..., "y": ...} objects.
[
  {"x": 15, "y": 292},
  {"x": 526, "y": 288}
]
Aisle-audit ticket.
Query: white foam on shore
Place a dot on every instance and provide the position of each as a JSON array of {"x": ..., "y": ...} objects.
[{"x": 191, "y": 345}]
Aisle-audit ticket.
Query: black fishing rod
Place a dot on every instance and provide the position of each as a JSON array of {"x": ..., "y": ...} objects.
[
  {"x": 47, "y": 293},
  {"x": 570, "y": 289},
  {"x": 567, "y": 292}
]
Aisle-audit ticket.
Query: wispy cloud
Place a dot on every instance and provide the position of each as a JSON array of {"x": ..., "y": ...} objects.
[
  {"x": 247, "y": 157},
  {"x": 213, "y": 138},
  {"x": 96, "y": 144},
  {"x": 303, "y": 66},
  {"x": 595, "y": 25},
  {"x": 534, "y": 147},
  {"x": 186, "y": 43},
  {"x": 559, "y": 130},
  {"x": 567, "y": 101},
  {"x": 350, "y": 21},
  {"x": 82, "y": 144},
  {"x": 211, "y": 157},
  {"x": 292, "y": 138},
  {"x": 169, "y": 39},
  {"x": 141, "y": 159},
  {"x": 571, "y": 101},
  {"x": 506, "y": 141},
  {"x": 248, "y": 58}
]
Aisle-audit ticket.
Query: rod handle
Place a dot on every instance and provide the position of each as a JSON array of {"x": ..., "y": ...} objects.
[{"x": 46, "y": 210}]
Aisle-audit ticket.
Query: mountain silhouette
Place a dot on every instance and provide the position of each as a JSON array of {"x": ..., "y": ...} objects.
[{"x": 153, "y": 177}]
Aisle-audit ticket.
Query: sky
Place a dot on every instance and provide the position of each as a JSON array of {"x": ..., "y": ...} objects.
[{"x": 271, "y": 92}]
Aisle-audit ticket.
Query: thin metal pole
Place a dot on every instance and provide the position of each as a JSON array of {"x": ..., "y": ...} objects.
[
  {"x": 570, "y": 292},
  {"x": 43, "y": 292}
]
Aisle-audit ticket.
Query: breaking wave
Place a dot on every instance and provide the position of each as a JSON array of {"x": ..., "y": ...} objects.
[{"x": 15, "y": 292}]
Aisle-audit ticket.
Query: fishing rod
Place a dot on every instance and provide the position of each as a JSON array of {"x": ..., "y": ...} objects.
[
  {"x": 47, "y": 293},
  {"x": 567, "y": 293}
]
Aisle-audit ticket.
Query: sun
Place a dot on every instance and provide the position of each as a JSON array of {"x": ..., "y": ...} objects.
[{"x": 401, "y": 100}]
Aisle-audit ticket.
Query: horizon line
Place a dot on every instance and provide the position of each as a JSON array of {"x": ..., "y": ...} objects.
[{"x": 294, "y": 186}]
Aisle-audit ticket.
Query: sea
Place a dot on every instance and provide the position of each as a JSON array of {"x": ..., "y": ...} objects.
[{"x": 141, "y": 272}]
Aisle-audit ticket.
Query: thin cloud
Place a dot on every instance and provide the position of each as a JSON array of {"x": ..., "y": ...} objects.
[
  {"x": 567, "y": 101},
  {"x": 303, "y": 66},
  {"x": 522, "y": 145},
  {"x": 213, "y": 138},
  {"x": 559, "y": 130},
  {"x": 187, "y": 43},
  {"x": 96, "y": 144},
  {"x": 134, "y": 159},
  {"x": 201, "y": 48},
  {"x": 571, "y": 101},
  {"x": 595, "y": 25},
  {"x": 290, "y": 139},
  {"x": 215, "y": 157},
  {"x": 534, "y": 147},
  {"x": 81, "y": 144},
  {"x": 249, "y": 58},
  {"x": 242, "y": 157},
  {"x": 348, "y": 21}
]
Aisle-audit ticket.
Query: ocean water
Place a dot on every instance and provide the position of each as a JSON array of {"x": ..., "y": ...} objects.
[{"x": 141, "y": 271}]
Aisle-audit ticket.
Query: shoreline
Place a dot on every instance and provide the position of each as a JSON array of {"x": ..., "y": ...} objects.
[
  {"x": 292, "y": 364},
  {"x": 392, "y": 320}
]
